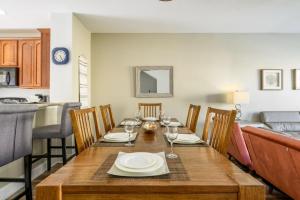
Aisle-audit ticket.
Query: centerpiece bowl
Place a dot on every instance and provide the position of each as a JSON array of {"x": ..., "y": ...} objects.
[{"x": 150, "y": 126}]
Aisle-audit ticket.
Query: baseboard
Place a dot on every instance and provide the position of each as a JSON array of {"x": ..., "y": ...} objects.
[{"x": 11, "y": 188}]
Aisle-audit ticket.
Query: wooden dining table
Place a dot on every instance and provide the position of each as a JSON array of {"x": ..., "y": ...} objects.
[{"x": 206, "y": 174}]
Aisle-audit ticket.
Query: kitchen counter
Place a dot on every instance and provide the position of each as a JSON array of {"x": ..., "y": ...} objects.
[{"x": 45, "y": 105}]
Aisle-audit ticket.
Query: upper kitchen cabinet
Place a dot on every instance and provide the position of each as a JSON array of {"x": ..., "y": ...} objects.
[
  {"x": 30, "y": 63},
  {"x": 34, "y": 61},
  {"x": 8, "y": 53}
]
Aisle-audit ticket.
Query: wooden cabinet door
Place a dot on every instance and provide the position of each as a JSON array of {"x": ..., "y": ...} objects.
[
  {"x": 9, "y": 53},
  {"x": 37, "y": 67},
  {"x": 26, "y": 62}
]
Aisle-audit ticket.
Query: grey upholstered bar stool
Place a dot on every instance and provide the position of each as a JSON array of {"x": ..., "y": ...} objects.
[
  {"x": 16, "y": 140},
  {"x": 58, "y": 131}
]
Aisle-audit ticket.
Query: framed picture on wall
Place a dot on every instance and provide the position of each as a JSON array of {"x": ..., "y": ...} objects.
[
  {"x": 297, "y": 79},
  {"x": 271, "y": 79}
]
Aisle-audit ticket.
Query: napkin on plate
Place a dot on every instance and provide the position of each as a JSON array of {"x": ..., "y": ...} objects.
[{"x": 161, "y": 171}]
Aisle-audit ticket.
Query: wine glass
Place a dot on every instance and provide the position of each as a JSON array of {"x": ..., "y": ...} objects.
[
  {"x": 129, "y": 126},
  {"x": 161, "y": 115},
  {"x": 137, "y": 116},
  {"x": 172, "y": 136},
  {"x": 166, "y": 122}
]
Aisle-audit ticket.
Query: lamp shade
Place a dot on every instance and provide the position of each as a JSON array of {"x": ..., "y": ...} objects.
[{"x": 240, "y": 97}]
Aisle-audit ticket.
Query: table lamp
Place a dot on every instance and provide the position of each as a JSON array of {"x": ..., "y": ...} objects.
[{"x": 240, "y": 98}]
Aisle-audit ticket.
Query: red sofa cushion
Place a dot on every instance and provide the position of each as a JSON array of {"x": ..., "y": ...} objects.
[{"x": 237, "y": 147}]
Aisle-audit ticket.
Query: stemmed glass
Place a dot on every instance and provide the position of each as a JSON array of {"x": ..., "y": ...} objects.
[
  {"x": 137, "y": 116},
  {"x": 161, "y": 115},
  {"x": 129, "y": 126},
  {"x": 166, "y": 122},
  {"x": 172, "y": 136}
]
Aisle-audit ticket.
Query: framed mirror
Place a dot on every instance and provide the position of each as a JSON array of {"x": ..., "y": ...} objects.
[{"x": 156, "y": 81}]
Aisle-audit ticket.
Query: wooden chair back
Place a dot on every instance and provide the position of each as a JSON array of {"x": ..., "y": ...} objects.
[
  {"x": 220, "y": 125},
  {"x": 192, "y": 117},
  {"x": 150, "y": 109},
  {"x": 86, "y": 127},
  {"x": 107, "y": 117}
]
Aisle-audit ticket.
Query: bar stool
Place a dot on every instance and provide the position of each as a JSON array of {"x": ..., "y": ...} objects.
[
  {"x": 16, "y": 141},
  {"x": 57, "y": 131}
]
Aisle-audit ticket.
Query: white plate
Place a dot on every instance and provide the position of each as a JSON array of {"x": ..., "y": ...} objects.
[
  {"x": 137, "y": 163},
  {"x": 173, "y": 124},
  {"x": 138, "y": 160},
  {"x": 151, "y": 119},
  {"x": 160, "y": 171},
  {"x": 187, "y": 137},
  {"x": 189, "y": 142},
  {"x": 134, "y": 123},
  {"x": 109, "y": 138},
  {"x": 116, "y": 136}
]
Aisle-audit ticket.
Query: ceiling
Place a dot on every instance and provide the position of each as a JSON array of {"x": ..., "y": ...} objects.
[{"x": 153, "y": 16}]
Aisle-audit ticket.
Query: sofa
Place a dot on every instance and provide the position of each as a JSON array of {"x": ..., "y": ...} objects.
[
  {"x": 283, "y": 122},
  {"x": 275, "y": 157}
]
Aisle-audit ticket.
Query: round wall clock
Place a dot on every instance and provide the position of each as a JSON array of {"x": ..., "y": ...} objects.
[{"x": 60, "y": 55}]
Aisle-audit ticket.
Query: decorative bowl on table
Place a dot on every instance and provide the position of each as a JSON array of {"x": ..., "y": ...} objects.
[{"x": 150, "y": 126}]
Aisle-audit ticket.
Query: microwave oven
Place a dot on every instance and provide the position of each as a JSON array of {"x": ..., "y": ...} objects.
[{"x": 8, "y": 77}]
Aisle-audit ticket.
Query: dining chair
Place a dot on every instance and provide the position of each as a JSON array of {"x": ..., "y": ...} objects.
[
  {"x": 16, "y": 141},
  {"x": 107, "y": 117},
  {"x": 56, "y": 131},
  {"x": 218, "y": 128},
  {"x": 192, "y": 117},
  {"x": 86, "y": 127},
  {"x": 150, "y": 109}
]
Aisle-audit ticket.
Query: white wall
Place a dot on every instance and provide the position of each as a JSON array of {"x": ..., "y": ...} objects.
[
  {"x": 61, "y": 76},
  {"x": 206, "y": 68},
  {"x": 81, "y": 46}
]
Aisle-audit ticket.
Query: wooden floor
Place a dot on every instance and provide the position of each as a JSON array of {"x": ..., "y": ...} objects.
[{"x": 276, "y": 195}]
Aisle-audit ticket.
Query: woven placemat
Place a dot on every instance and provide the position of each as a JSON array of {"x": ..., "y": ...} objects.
[
  {"x": 176, "y": 168},
  {"x": 185, "y": 145}
]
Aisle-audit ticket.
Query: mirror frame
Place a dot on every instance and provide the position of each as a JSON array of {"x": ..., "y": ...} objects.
[{"x": 152, "y": 95}]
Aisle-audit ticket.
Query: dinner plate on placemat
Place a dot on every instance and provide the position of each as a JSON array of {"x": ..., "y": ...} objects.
[
  {"x": 134, "y": 123},
  {"x": 139, "y": 162},
  {"x": 150, "y": 119},
  {"x": 179, "y": 124},
  {"x": 187, "y": 139},
  {"x": 119, "y": 137}
]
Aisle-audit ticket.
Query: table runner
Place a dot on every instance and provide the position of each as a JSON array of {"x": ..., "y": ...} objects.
[{"x": 177, "y": 171}]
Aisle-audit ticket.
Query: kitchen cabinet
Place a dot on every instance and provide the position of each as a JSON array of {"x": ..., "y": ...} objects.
[
  {"x": 30, "y": 63},
  {"x": 8, "y": 53}
]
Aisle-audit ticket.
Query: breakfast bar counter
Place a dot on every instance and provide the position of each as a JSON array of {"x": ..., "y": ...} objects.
[{"x": 204, "y": 174}]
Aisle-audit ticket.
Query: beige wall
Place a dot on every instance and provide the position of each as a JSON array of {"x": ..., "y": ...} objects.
[
  {"x": 206, "y": 67},
  {"x": 81, "y": 46}
]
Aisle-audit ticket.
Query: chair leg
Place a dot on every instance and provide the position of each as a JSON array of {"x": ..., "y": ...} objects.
[
  {"x": 27, "y": 175},
  {"x": 63, "y": 150},
  {"x": 48, "y": 154}
]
